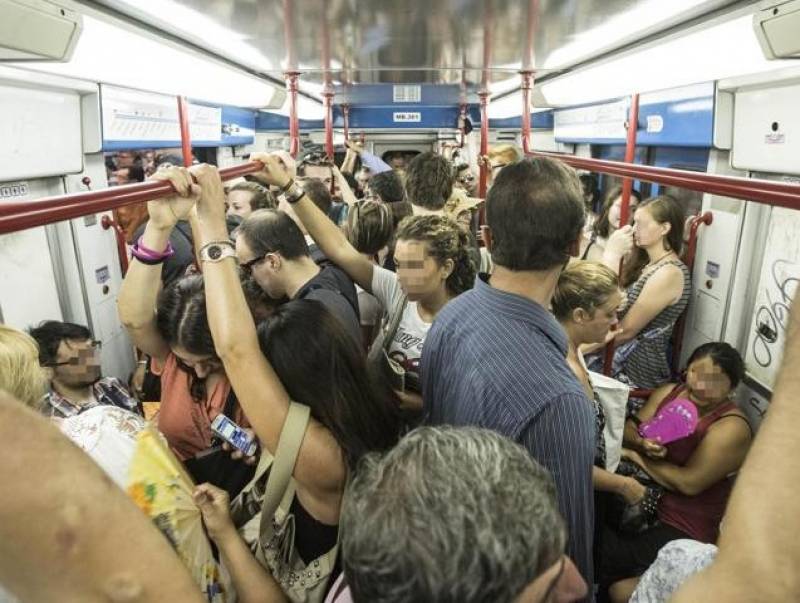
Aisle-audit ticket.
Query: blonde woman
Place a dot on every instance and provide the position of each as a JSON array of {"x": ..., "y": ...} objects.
[
  {"x": 20, "y": 373},
  {"x": 585, "y": 303}
]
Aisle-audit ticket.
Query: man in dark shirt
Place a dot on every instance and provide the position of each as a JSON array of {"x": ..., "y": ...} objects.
[
  {"x": 495, "y": 357},
  {"x": 271, "y": 247}
]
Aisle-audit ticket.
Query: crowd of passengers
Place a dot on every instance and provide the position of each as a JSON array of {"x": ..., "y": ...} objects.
[{"x": 432, "y": 418}]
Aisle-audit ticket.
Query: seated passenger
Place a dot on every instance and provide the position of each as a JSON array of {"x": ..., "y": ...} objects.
[
  {"x": 434, "y": 265},
  {"x": 20, "y": 372},
  {"x": 68, "y": 533},
  {"x": 302, "y": 354},
  {"x": 593, "y": 246},
  {"x": 472, "y": 518},
  {"x": 658, "y": 288},
  {"x": 585, "y": 302},
  {"x": 694, "y": 472},
  {"x": 72, "y": 361},
  {"x": 246, "y": 197},
  {"x": 429, "y": 184},
  {"x": 369, "y": 230}
]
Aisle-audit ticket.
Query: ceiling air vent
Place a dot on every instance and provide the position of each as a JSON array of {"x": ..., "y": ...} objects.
[
  {"x": 777, "y": 27},
  {"x": 407, "y": 94},
  {"x": 38, "y": 30}
]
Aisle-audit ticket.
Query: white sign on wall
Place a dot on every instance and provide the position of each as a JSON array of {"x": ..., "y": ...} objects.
[
  {"x": 597, "y": 121},
  {"x": 406, "y": 116},
  {"x": 131, "y": 115}
]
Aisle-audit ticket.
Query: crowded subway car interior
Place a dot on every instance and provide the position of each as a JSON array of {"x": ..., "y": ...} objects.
[{"x": 365, "y": 301}]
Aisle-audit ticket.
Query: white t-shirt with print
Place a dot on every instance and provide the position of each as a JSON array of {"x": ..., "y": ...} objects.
[
  {"x": 369, "y": 308},
  {"x": 406, "y": 346}
]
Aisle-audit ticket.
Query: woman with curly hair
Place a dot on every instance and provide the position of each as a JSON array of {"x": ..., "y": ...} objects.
[{"x": 433, "y": 261}]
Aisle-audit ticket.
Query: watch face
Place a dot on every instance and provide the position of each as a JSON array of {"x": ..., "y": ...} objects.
[{"x": 214, "y": 252}]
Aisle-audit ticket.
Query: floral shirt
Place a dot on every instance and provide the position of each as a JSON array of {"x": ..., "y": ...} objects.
[
  {"x": 677, "y": 561},
  {"x": 107, "y": 392}
]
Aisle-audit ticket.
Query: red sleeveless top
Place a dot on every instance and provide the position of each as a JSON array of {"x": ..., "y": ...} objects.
[{"x": 698, "y": 516}]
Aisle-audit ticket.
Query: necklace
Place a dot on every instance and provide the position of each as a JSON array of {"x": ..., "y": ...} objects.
[{"x": 659, "y": 259}]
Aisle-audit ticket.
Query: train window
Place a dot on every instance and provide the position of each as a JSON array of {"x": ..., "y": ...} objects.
[
  {"x": 691, "y": 201},
  {"x": 399, "y": 159},
  {"x": 130, "y": 166}
]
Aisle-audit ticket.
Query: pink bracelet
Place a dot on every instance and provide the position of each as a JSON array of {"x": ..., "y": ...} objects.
[{"x": 142, "y": 252}]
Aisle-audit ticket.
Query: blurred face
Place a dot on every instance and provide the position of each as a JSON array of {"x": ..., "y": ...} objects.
[
  {"x": 595, "y": 328},
  {"x": 616, "y": 210},
  {"x": 264, "y": 270},
  {"x": 464, "y": 219},
  {"x": 239, "y": 203},
  {"x": 125, "y": 159},
  {"x": 362, "y": 178},
  {"x": 420, "y": 275},
  {"x": 560, "y": 583},
  {"x": 201, "y": 366},
  {"x": 646, "y": 231},
  {"x": 79, "y": 363},
  {"x": 325, "y": 174},
  {"x": 707, "y": 381}
]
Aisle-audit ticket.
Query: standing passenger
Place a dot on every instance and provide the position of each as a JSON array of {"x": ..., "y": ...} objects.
[
  {"x": 496, "y": 357},
  {"x": 433, "y": 266},
  {"x": 429, "y": 184}
]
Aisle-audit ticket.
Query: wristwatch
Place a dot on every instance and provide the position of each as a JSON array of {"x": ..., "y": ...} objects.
[
  {"x": 294, "y": 194},
  {"x": 216, "y": 251}
]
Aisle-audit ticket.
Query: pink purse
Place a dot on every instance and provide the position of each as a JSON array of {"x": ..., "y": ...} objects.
[{"x": 675, "y": 420}]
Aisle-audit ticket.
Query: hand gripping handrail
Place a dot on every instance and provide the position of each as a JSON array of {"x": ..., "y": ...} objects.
[{"x": 19, "y": 215}]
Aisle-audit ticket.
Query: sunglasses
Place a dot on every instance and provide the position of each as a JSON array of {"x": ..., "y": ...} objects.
[
  {"x": 247, "y": 267},
  {"x": 75, "y": 360}
]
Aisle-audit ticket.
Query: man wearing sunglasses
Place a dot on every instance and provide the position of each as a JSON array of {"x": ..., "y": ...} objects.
[{"x": 72, "y": 361}]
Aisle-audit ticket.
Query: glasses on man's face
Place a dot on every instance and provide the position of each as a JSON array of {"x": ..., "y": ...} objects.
[
  {"x": 247, "y": 267},
  {"x": 93, "y": 345}
]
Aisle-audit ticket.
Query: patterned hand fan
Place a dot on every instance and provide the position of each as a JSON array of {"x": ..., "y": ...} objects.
[{"x": 675, "y": 420}]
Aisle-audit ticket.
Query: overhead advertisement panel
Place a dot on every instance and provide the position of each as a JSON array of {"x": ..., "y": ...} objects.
[{"x": 133, "y": 119}]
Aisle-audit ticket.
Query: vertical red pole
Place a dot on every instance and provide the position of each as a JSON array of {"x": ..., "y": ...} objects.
[
  {"x": 294, "y": 127},
  {"x": 624, "y": 214},
  {"x": 186, "y": 139},
  {"x": 346, "y": 119},
  {"x": 463, "y": 119},
  {"x": 630, "y": 156},
  {"x": 527, "y": 86},
  {"x": 483, "y": 179},
  {"x": 327, "y": 96}
]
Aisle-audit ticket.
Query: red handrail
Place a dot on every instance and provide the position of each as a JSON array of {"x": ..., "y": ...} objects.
[
  {"x": 108, "y": 222},
  {"x": 327, "y": 96},
  {"x": 48, "y": 210},
  {"x": 526, "y": 86},
  {"x": 186, "y": 139},
  {"x": 625, "y": 207},
  {"x": 294, "y": 124},
  {"x": 779, "y": 194}
]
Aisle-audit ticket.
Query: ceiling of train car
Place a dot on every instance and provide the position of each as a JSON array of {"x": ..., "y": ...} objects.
[{"x": 469, "y": 42}]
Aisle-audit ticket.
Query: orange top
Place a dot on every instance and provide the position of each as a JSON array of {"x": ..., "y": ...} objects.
[{"x": 185, "y": 423}]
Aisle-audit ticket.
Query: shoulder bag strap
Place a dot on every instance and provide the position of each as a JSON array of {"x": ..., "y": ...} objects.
[{"x": 294, "y": 428}]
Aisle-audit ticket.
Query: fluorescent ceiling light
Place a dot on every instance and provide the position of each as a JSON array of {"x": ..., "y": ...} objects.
[
  {"x": 195, "y": 26},
  {"x": 724, "y": 50},
  {"x": 142, "y": 62},
  {"x": 306, "y": 108},
  {"x": 642, "y": 16},
  {"x": 508, "y": 106}
]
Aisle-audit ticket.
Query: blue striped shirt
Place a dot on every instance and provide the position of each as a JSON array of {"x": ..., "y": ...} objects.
[{"x": 498, "y": 360}]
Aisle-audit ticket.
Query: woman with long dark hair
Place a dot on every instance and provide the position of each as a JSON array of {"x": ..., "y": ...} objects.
[{"x": 299, "y": 357}]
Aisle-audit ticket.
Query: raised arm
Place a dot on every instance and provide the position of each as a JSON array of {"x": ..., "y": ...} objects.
[
  {"x": 759, "y": 550},
  {"x": 348, "y": 196},
  {"x": 67, "y": 533},
  {"x": 320, "y": 468},
  {"x": 137, "y": 296},
  {"x": 327, "y": 235}
]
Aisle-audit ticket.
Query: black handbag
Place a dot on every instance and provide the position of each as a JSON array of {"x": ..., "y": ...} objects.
[{"x": 215, "y": 465}]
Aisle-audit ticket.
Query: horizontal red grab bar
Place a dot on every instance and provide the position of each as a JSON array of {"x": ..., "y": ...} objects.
[
  {"x": 764, "y": 191},
  {"x": 19, "y": 215}
]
